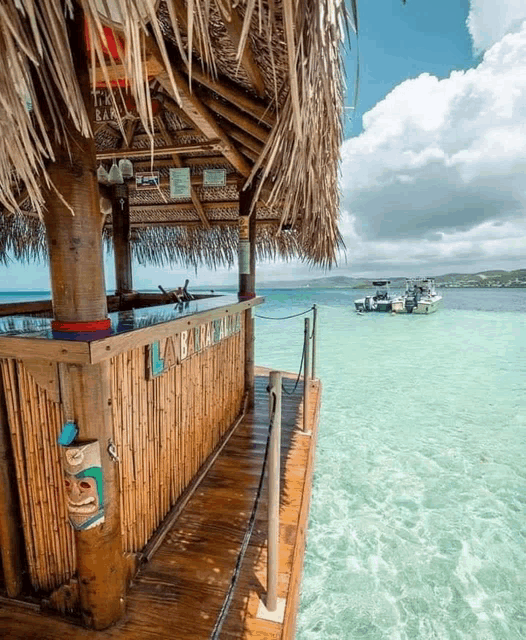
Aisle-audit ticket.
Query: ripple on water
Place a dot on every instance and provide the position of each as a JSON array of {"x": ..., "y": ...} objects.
[{"x": 418, "y": 517}]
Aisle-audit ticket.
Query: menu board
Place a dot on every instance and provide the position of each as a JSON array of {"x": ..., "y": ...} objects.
[
  {"x": 214, "y": 178},
  {"x": 180, "y": 186}
]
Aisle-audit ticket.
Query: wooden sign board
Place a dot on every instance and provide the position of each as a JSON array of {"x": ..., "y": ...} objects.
[
  {"x": 147, "y": 180},
  {"x": 163, "y": 355},
  {"x": 180, "y": 186}
]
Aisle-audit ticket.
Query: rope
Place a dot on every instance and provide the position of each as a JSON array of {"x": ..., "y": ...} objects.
[
  {"x": 290, "y": 393},
  {"x": 296, "y": 315},
  {"x": 248, "y": 533}
]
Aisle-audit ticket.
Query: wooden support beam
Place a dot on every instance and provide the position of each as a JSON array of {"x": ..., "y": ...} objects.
[
  {"x": 247, "y": 238},
  {"x": 236, "y": 117},
  {"x": 204, "y": 120},
  {"x": 236, "y": 96},
  {"x": 189, "y": 161},
  {"x": 79, "y": 296},
  {"x": 129, "y": 133},
  {"x": 234, "y": 26},
  {"x": 211, "y": 145},
  {"x": 245, "y": 139},
  {"x": 230, "y": 222},
  {"x": 116, "y": 72},
  {"x": 120, "y": 215},
  {"x": 183, "y": 206},
  {"x": 178, "y": 163},
  {"x": 11, "y": 533}
]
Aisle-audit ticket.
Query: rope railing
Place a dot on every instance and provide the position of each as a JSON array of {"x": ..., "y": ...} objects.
[
  {"x": 295, "y": 315},
  {"x": 304, "y": 366},
  {"x": 223, "y": 612}
]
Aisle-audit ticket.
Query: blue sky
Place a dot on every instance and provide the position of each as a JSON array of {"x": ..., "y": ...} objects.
[
  {"x": 398, "y": 41},
  {"x": 433, "y": 162}
]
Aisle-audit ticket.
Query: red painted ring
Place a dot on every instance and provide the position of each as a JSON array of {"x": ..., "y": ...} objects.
[{"x": 95, "y": 325}]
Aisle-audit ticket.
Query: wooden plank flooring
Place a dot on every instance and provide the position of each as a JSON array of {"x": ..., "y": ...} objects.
[{"x": 179, "y": 593}]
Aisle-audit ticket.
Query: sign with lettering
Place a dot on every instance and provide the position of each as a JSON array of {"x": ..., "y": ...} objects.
[
  {"x": 180, "y": 183},
  {"x": 147, "y": 180},
  {"x": 105, "y": 107},
  {"x": 214, "y": 178},
  {"x": 165, "y": 354}
]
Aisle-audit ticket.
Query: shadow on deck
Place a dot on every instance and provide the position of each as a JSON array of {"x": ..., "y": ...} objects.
[{"x": 180, "y": 591}]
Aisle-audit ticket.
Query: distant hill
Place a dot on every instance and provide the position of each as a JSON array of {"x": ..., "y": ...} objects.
[{"x": 483, "y": 279}]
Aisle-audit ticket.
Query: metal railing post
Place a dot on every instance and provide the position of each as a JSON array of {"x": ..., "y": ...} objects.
[
  {"x": 273, "y": 491},
  {"x": 314, "y": 329},
  {"x": 306, "y": 376}
]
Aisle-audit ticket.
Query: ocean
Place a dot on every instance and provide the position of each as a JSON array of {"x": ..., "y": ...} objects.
[{"x": 417, "y": 528}]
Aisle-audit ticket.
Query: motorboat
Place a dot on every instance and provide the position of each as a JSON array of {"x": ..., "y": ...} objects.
[
  {"x": 420, "y": 296},
  {"x": 380, "y": 301}
]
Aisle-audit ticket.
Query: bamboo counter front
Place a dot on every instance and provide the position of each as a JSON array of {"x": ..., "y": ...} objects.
[{"x": 172, "y": 382}]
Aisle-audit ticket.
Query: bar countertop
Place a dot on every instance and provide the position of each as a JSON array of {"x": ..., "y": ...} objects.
[{"x": 27, "y": 326}]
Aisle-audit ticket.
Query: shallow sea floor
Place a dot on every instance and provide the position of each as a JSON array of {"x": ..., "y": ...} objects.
[{"x": 418, "y": 519}]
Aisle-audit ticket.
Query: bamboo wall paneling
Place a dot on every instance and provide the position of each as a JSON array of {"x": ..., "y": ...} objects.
[
  {"x": 11, "y": 544},
  {"x": 166, "y": 425},
  {"x": 35, "y": 422}
]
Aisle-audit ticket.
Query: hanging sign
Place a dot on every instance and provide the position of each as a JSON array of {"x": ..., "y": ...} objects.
[
  {"x": 214, "y": 178},
  {"x": 180, "y": 183},
  {"x": 147, "y": 180},
  {"x": 163, "y": 355},
  {"x": 105, "y": 106}
]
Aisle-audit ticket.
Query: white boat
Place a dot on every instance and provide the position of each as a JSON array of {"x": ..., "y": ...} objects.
[
  {"x": 420, "y": 297},
  {"x": 380, "y": 301}
]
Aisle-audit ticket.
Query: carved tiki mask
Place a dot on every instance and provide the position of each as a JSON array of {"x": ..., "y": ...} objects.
[{"x": 84, "y": 485}]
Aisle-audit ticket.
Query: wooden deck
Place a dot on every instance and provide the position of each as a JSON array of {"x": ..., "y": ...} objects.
[{"x": 179, "y": 593}]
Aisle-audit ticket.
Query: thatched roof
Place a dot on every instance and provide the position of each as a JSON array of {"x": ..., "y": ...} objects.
[{"x": 251, "y": 87}]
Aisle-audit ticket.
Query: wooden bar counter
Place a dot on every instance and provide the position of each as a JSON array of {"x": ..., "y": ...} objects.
[
  {"x": 180, "y": 591},
  {"x": 174, "y": 384}
]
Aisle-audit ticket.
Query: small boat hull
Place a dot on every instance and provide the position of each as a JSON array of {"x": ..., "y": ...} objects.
[{"x": 428, "y": 306}]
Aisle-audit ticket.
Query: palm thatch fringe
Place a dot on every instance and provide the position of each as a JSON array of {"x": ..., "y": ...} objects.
[
  {"x": 195, "y": 247},
  {"x": 23, "y": 238}
]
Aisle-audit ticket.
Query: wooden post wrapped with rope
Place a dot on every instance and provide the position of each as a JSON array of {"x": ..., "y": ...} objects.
[
  {"x": 74, "y": 234},
  {"x": 120, "y": 212},
  {"x": 247, "y": 279}
]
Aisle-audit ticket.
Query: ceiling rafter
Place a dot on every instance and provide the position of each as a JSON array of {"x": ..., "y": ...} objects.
[
  {"x": 234, "y": 27},
  {"x": 198, "y": 112},
  {"x": 236, "y": 96},
  {"x": 184, "y": 206},
  {"x": 234, "y": 222},
  {"x": 244, "y": 138},
  {"x": 178, "y": 163},
  {"x": 211, "y": 145},
  {"x": 236, "y": 117},
  {"x": 205, "y": 121}
]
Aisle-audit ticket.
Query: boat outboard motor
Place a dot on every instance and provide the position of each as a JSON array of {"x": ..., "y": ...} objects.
[{"x": 410, "y": 303}]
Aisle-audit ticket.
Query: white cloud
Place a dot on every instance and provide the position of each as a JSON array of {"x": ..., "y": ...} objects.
[
  {"x": 441, "y": 163},
  {"x": 490, "y": 20}
]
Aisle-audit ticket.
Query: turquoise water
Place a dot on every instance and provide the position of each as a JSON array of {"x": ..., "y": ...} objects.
[{"x": 417, "y": 527}]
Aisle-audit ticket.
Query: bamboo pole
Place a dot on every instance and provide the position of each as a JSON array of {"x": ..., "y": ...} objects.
[
  {"x": 10, "y": 520},
  {"x": 273, "y": 491},
  {"x": 306, "y": 376},
  {"x": 314, "y": 335}
]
